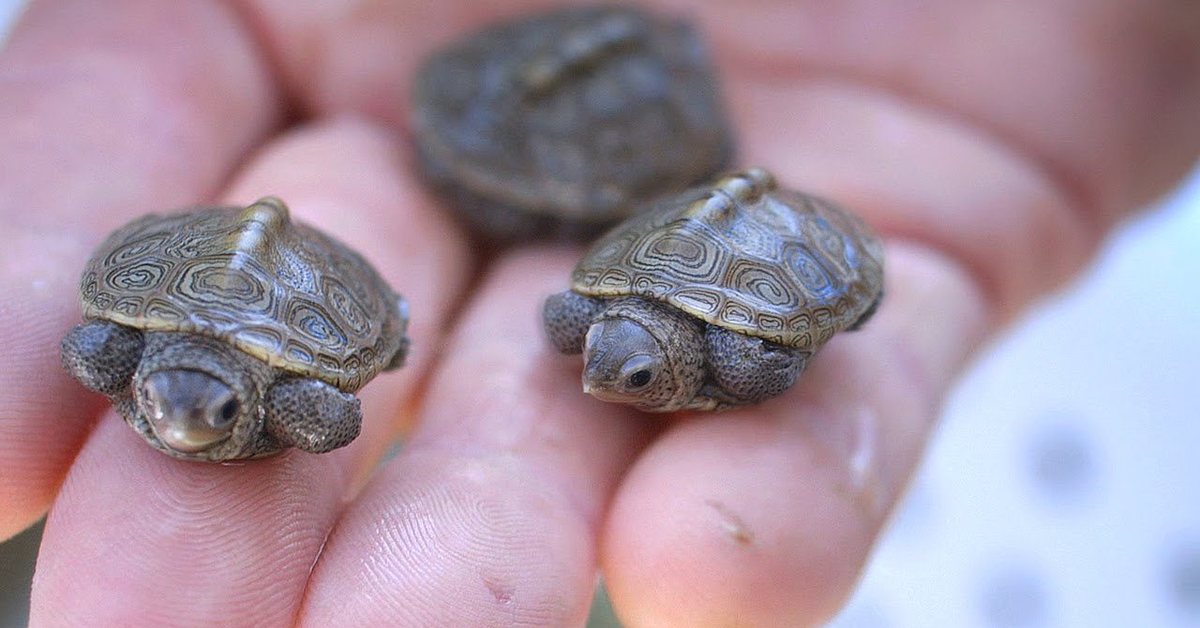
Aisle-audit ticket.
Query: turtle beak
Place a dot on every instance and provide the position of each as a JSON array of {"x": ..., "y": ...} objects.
[{"x": 189, "y": 411}]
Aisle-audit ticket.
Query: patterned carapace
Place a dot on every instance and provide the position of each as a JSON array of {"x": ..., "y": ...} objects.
[
  {"x": 561, "y": 123},
  {"x": 282, "y": 292},
  {"x": 745, "y": 255}
]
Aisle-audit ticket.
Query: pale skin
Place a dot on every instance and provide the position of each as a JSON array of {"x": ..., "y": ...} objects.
[{"x": 992, "y": 144}]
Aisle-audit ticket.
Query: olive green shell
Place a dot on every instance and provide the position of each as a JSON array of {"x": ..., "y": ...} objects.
[
  {"x": 744, "y": 255},
  {"x": 282, "y": 292}
]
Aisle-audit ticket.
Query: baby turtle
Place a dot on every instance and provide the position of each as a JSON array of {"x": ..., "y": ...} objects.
[
  {"x": 223, "y": 332},
  {"x": 717, "y": 297},
  {"x": 559, "y": 124}
]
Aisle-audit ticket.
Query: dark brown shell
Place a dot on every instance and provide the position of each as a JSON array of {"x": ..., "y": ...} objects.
[
  {"x": 280, "y": 291},
  {"x": 561, "y": 123},
  {"x": 747, "y": 256}
]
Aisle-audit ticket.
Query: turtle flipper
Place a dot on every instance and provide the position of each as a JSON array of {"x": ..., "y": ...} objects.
[
  {"x": 751, "y": 369},
  {"x": 312, "y": 415},
  {"x": 567, "y": 317},
  {"x": 103, "y": 355}
]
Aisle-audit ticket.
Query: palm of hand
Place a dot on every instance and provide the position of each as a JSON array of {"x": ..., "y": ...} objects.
[{"x": 971, "y": 153}]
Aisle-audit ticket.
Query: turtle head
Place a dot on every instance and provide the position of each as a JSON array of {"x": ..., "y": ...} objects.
[
  {"x": 195, "y": 393},
  {"x": 622, "y": 360},
  {"x": 189, "y": 411},
  {"x": 641, "y": 360}
]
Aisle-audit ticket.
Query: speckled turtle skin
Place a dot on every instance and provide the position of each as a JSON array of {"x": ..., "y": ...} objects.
[
  {"x": 732, "y": 286},
  {"x": 274, "y": 320},
  {"x": 558, "y": 125}
]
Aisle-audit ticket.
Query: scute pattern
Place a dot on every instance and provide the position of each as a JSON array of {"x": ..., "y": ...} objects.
[
  {"x": 283, "y": 292},
  {"x": 745, "y": 255},
  {"x": 574, "y": 114}
]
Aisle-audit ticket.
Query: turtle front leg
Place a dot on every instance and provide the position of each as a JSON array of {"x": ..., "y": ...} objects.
[
  {"x": 713, "y": 398},
  {"x": 311, "y": 415},
  {"x": 103, "y": 355},
  {"x": 567, "y": 317},
  {"x": 751, "y": 369}
]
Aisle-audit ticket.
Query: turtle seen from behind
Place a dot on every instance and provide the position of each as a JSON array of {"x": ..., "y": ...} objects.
[
  {"x": 717, "y": 297},
  {"x": 223, "y": 333},
  {"x": 559, "y": 124}
]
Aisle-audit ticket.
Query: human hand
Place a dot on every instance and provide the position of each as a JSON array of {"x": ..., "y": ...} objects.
[{"x": 992, "y": 145}]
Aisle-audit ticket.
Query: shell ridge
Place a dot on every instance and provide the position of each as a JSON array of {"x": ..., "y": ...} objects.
[{"x": 585, "y": 46}]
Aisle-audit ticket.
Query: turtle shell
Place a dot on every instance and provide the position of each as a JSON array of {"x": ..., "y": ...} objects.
[
  {"x": 280, "y": 291},
  {"x": 745, "y": 255},
  {"x": 573, "y": 116}
]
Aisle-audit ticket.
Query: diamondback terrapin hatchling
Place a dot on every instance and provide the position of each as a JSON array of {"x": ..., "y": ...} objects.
[
  {"x": 223, "y": 332},
  {"x": 717, "y": 297},
  {"x": 559, "y": 124}
]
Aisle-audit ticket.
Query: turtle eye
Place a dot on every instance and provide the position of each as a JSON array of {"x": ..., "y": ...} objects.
[
  {"x": 226, "y": 413},
  {"x": 640, "y": 378},
  {"x": 637, "y": 372}
]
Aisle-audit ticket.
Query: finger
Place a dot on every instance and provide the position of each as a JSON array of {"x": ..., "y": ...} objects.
[
  {"x": 106, "y": 111},
  {"x": 1100, "y": 96},
  {"x": 361, "y": 56},
  {"x": 489, "y": 514},
  {"x": 918, "y": 175},
  {"x": 764, "y": 516},
  {"x": 233, "y": 544},
  {"x": 1087, "y": 164},
  {"x": 782, "y": 503}
]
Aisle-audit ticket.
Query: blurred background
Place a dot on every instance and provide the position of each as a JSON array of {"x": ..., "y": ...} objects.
[{"x": 1062, "y": 486}]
